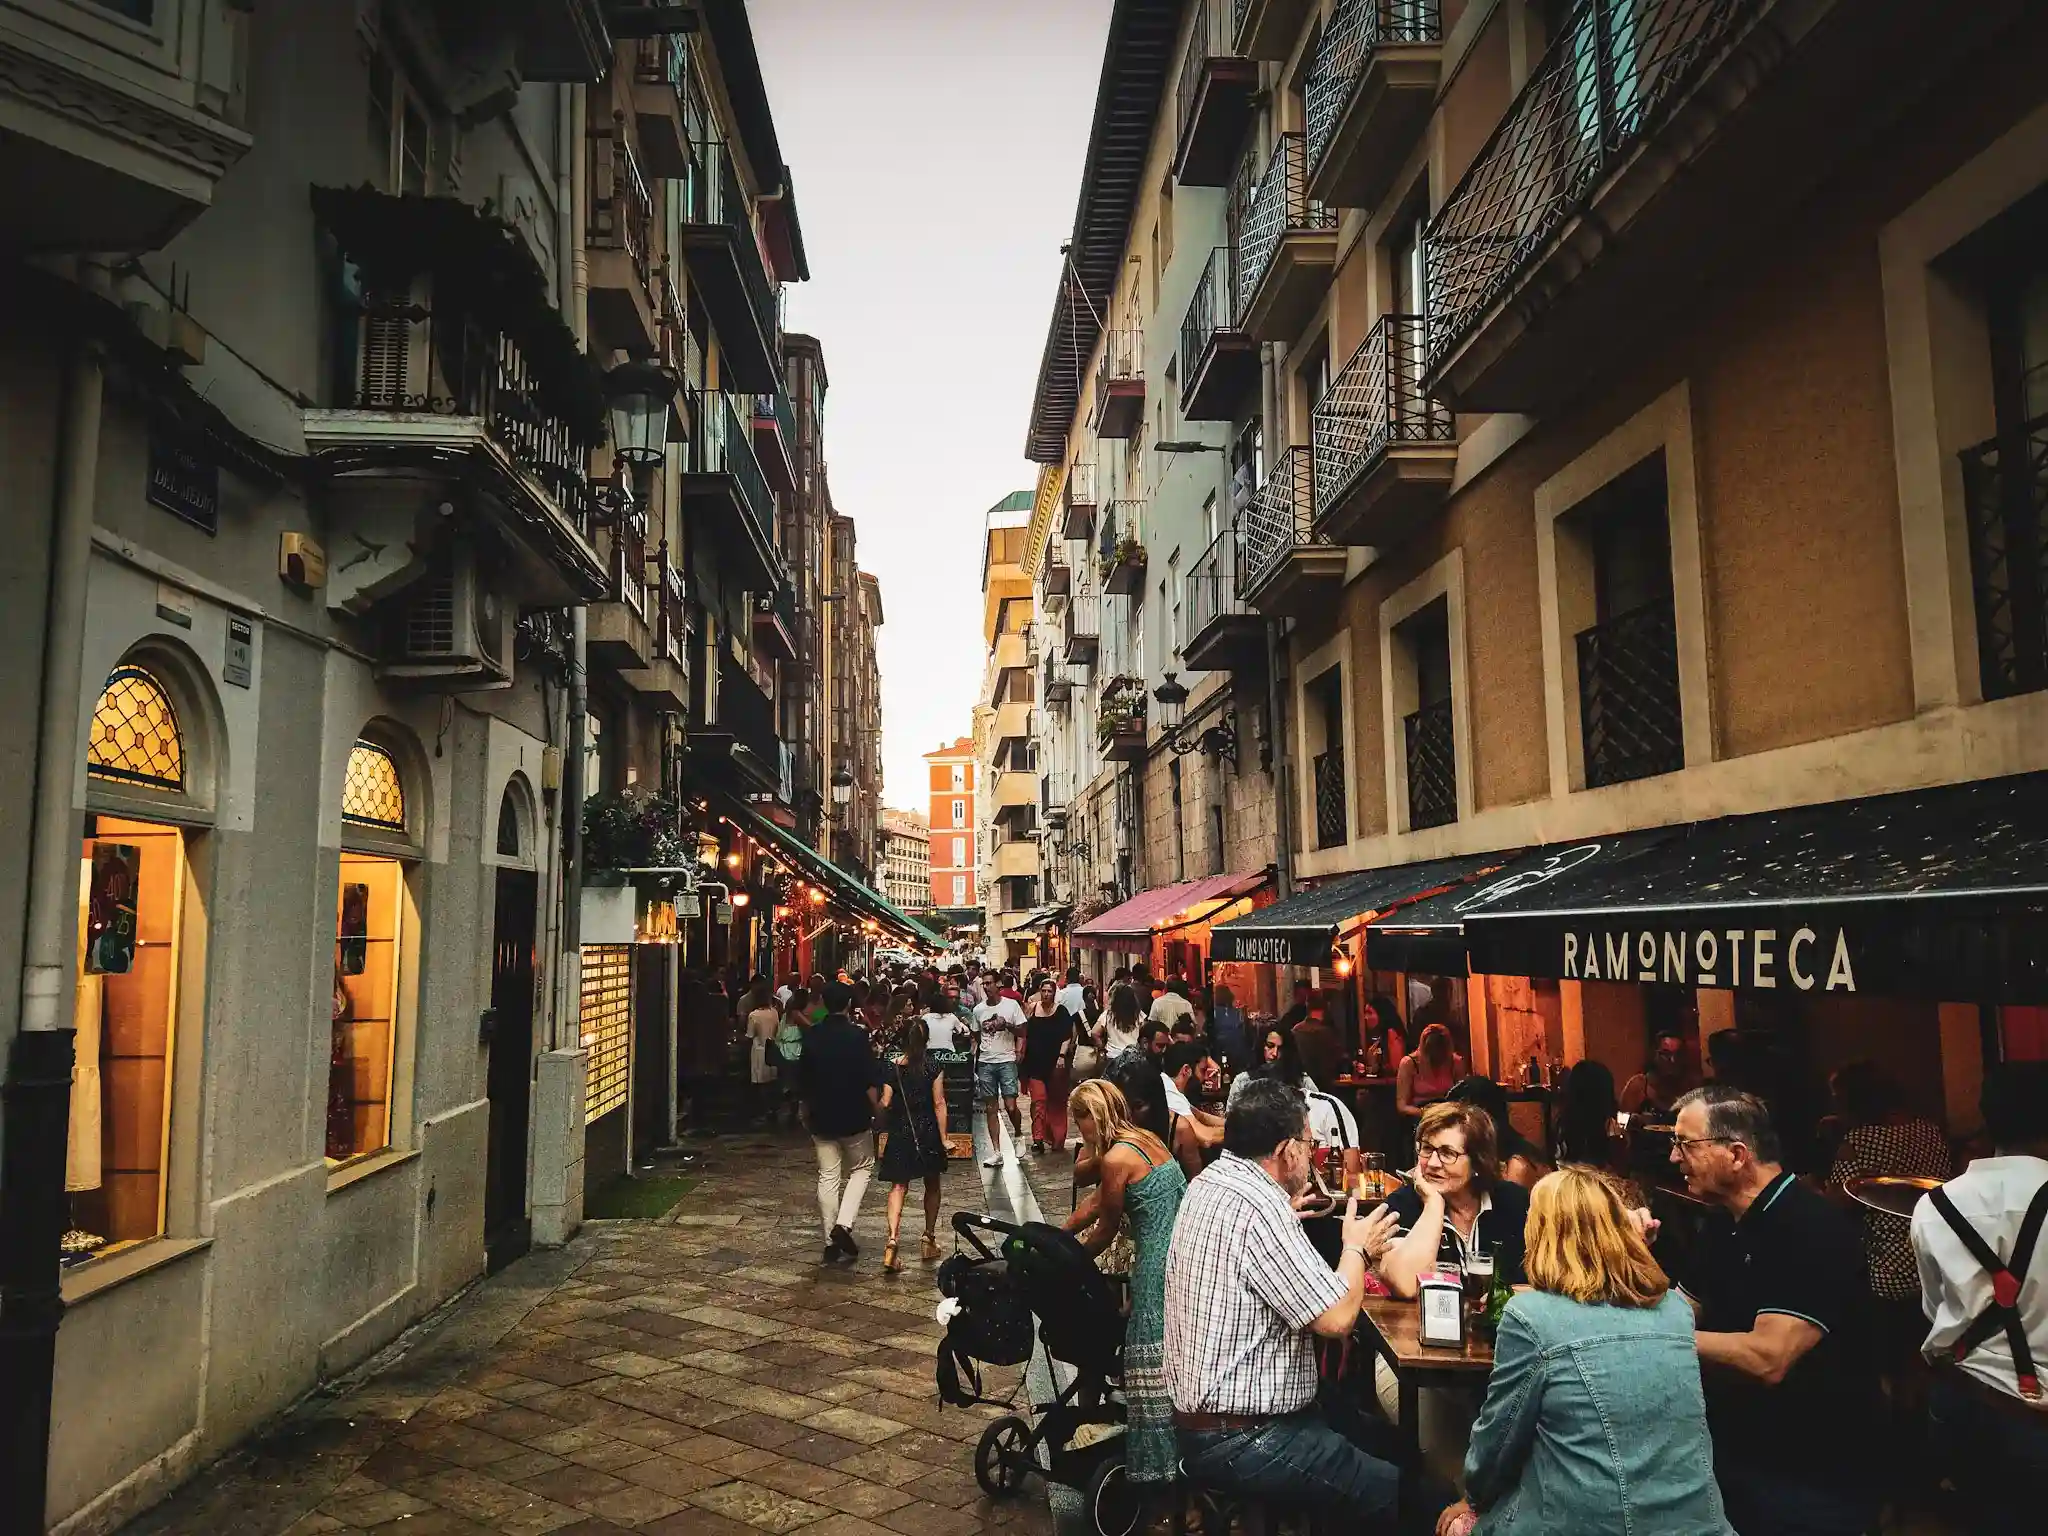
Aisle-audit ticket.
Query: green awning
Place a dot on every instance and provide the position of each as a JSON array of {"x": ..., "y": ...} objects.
[{"x": 815, "y": 866}]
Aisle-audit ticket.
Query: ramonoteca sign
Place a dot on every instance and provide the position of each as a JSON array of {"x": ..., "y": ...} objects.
[{"x": 1802, "y": 959}]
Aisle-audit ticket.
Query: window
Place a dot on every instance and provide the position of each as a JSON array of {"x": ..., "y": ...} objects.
[
  {"x": 1428, "y": 731},
  {"x": 1323, "y": 717},
  {"x": 959, "y": 775},
  {"x": 371, "y": 943},
  {"x": 959, "y": 890},
  {"x": 135, "y": 737},
  {"x": 959, "y": 813},
  {"x": 607, "y": 1018},
  {"x": 959, "y": 853},
  {"x": 401, "y": 133},
  {"x": 371, "y": 794}
]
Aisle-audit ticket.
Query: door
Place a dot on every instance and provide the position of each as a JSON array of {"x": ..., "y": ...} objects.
[{"x": 508, "y": 1230}]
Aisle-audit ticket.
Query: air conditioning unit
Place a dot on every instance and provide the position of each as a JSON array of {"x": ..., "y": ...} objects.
[{"x": 452, "y": 628}]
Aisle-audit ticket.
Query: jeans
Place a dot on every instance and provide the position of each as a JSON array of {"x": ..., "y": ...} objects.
[
  {"x": 1997, "y": 1460},
  {"x": 1761, "y": 1502},
  {"x": 1327, "y": 1457},
  {"x": 995, "y": 1079},
  {"x": 845, "y": 1164}
]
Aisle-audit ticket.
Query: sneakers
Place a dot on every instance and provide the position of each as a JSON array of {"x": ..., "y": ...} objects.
[
  {"x": 843, "y": 1241},
  {"x": 993, "y": 1162}
]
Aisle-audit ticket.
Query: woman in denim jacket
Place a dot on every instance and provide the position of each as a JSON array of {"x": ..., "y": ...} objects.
[{"x": 1594, "y": 1419}]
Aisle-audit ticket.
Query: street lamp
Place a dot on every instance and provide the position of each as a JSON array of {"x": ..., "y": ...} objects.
[
  {"x": 637, "y": 397},
  {"x": 842, "y": 785},
  {"x": 1218, "y": 740}
]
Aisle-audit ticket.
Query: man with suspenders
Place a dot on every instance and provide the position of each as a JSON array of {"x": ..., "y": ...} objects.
[{"x": 1984, "y": 1286}]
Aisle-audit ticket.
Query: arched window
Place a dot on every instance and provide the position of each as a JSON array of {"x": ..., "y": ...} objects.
[
  {"x": 371, "y": 792},
  {"x": 135, "y": 737},
  {"x": 508, "y": 824}
]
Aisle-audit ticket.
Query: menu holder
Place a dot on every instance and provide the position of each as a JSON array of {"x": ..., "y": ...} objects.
[{"x": 1440, "y": 1310}]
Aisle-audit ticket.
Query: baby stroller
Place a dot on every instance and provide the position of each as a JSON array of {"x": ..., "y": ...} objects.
[{"x": 1039, "y": 1273}]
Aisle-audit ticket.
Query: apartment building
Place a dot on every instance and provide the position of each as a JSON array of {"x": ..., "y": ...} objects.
[
  {"x": 954, "y": 778},
  {"x": 907, "y": 860},
  {"x": 1646, "y": 485},
  {"x": 1004, "y": 717},
  {"x": 855, "y": 704},
  {"x": 389, "y": 533}
]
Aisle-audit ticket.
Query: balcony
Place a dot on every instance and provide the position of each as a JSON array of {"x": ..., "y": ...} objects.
[
  {"x": 622, "y": 628},
  {"x": 724, "y": 259},
  {"x": 775, "y": 439},
  {"x": 1120, "y": 385},
  {"x": 1223, "y": 635},
  {"x": 1016, "y": 789},
  {"x": 1285, "y": 567},
  {"x": 664, "y": 683},
  {"x": 1599, "y": 205},
  {"x": 1055, "y": 685},
  {"x": 1213, "y": 106},
  {"x": 1221, "y": 359},
  {"x": 1286, "y": 247},
  {"x": 1385, "y": 453},
  {"x": 1058, "y": 575},
  {"x": 775, "y": 627},
  {"x": 565, "y": 41},
  {"x": 1629, "y": 717},
  {"x": 456, "y": 373},
  {"x": 740, "y": 738},
  {"x": 1012, "y": 654},
  {"x": 1078, "y": 519},
  {"x": 727, "y": 493},
  {"x": 1012, "y": 727},
  {"x": 2005, "y": 492},
  {"x": 1368, "y": 93},
  {"x": 1120, "y": 556},
  {"x": 1120, "y": 719},
  {"x": 1053, "y": 795},
  {"x": 1432, "y": 763},
  {"x": 622, "y": 297},
  {"x": 1014, "y": 859},
  {"x": 660, "y": 75},
  {"x": 1269, "y": 29},
  {"x": 1081, "y": 629},
  {"x": 1332, "y": 827},
  {"x": 117, "y": 134}
]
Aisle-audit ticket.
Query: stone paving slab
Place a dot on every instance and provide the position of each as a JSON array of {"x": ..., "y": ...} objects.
[{"x": 702, "y": 1375}]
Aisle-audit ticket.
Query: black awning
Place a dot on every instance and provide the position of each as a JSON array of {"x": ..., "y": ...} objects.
[
  {"x": 1938, "y": 894},
  {"x": 1299, "y": 930}
]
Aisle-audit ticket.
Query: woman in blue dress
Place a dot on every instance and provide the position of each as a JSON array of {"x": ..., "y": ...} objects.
[{"x": 1141, "y": 1188}]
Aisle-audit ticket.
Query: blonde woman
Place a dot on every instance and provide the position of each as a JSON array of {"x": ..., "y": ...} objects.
[
  {"x": 1142, "y": 1184},
  {"x": 1594, "y": 1419}
]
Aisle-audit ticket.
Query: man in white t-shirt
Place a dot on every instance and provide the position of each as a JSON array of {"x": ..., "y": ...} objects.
[
  {"x": 999, "y": 1023},
  {"x": 1073, "y": 996},
  {"x": 1172, "y": 1005}
]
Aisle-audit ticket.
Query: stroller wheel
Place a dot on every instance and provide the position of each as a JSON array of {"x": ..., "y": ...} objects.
[
  {"x": 1114, "y": 1505},
  {"x": 1002, "y": 1457}
]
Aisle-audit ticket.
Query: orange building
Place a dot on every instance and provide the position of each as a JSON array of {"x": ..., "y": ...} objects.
[{"x": 953, "y": 783}]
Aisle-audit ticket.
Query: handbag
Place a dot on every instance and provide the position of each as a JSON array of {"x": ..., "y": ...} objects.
[{"x": 909, "y": 1117}]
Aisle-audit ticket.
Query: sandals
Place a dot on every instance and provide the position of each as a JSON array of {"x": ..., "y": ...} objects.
[
  {"x": 931, "y": 1249},
  {"x": 889, "y": 1258}
]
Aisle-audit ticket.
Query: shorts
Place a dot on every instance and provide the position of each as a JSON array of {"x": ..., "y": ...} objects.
[{"x": 995, "y": 1080}]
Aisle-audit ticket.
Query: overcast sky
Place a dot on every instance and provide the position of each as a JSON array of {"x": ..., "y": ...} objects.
[{"x": 936, "y": 149}]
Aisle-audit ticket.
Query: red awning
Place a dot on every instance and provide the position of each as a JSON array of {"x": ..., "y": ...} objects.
[{"x": 1135, "y": 921}]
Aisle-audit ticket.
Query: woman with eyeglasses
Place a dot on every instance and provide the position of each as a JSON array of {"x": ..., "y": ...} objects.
[{"x": 1459, "y": 1204}]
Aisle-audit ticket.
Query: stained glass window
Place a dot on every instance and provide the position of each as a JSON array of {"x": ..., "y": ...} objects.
[
  {"x": 371, "y": 794},
  {"x": 135, "y": 737}
]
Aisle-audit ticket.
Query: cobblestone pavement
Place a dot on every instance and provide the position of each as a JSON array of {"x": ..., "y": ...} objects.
[{"x": 702, "y": 1374}]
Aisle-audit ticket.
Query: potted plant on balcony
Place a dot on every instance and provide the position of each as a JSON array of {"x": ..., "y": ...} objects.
[
  {"x": 1123, "y": 566},
  {"x": 1120, "y": 719}
]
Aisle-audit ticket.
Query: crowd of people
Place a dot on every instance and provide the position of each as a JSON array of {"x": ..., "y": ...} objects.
[{"x": 1735, "y": 1386}]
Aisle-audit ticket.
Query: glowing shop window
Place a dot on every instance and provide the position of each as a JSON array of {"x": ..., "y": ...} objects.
[
  {"x": 368, "y": 956},
  {"x": 607, "y": 1026},
  {"x": 135, "y": 737},
  {"x": 131, "y": 884},
  {"x": 371, "y": 793}
]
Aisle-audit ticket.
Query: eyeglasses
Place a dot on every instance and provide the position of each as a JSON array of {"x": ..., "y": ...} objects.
[
  {"x": 1438, "y": 1154},
  {"x": 1682, "y": 1145}
]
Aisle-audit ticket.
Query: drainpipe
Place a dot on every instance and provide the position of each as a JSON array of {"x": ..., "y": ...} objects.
[
  {"x": 1283, "y": 761},
  {"x": 38, "y": 1087},
  {"x": 570, "y": 1004}
]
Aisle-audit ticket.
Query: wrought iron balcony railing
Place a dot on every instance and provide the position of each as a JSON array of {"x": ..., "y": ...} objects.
[
  {"x": 1279, "y": 520},
  {"x": 713, "y": 196},
  {"x": 621, "y": 208},
  {"x": 1212, "y": 312},
  {"x": 1332, "y": 830},
  {"x": 725, "y": 446},
  {"x": 1120, "y": 547},
  {"x": 1432, "y": 766},
  {"x": 1375, "y": 402},
  {"x": 1357, "y": 28},
  {"x": 1612, "y": 75},
  {"x": 1212, "y": 585},
  {"x": 1280, "y": 203},
  {"x": 746, "y": 712},
  {"x": 1629, "y": 716},
  {"x": 1194, "y": 64},
  {"x": 2005, "y": 493}
]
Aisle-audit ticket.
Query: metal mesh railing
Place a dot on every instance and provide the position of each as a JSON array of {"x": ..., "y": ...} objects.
[
  {"x": 1211, "y": 311},
  {"x": 1432, "y": 766},
  {"x": 1211, "y": 584},
  {"x": 1081, "y": 626},
  {"x": 1616, "y": 71},
  {"x": 729, "y": 449},
  {"x": 1331, "y": 828},
  {"x": 1376, "y": 401},
  {"x": 1278, "y": 204},
  {"x": 1120, "y": 539},
  {"x": 1279, "y": 520},
  {"x": 1357, "y": 28},
  {"x": 1629, "y": 717},
  {"x": 1209, "y": 40},
  {"x": 714, "y": 197},
  {"x": 2007, "y": 516}
]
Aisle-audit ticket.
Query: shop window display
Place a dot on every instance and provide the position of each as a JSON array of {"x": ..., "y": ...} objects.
[
  {"x": 368, "y": 956},
  {"x": 607, "y": 1017}
]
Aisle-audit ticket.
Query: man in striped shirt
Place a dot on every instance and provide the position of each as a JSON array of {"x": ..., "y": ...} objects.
[{"x": 1246, "y": 1296}]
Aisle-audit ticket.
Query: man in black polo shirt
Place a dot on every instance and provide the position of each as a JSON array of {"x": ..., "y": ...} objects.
[
  {"x": 836, "y": 1076},
  {"x": 1779, "y": 1292}
]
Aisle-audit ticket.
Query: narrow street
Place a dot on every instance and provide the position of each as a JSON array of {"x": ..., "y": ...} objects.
[{"x": 701, "y": 1374}]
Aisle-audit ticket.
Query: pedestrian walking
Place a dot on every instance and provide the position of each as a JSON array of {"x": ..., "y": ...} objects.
[
  {"x": 795, "y": 1024},
  {"x": 912, "y": 1118},
  {"x": 998, "y": 1023},
  {"x": 1048, "y": 1059},
  {"x": 764, "y": 1020},
  {"x": 836, "y": 1077}
]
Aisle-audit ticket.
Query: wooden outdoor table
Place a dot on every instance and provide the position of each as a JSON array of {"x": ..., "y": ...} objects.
[{"x": 1396, "y": 1337}]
